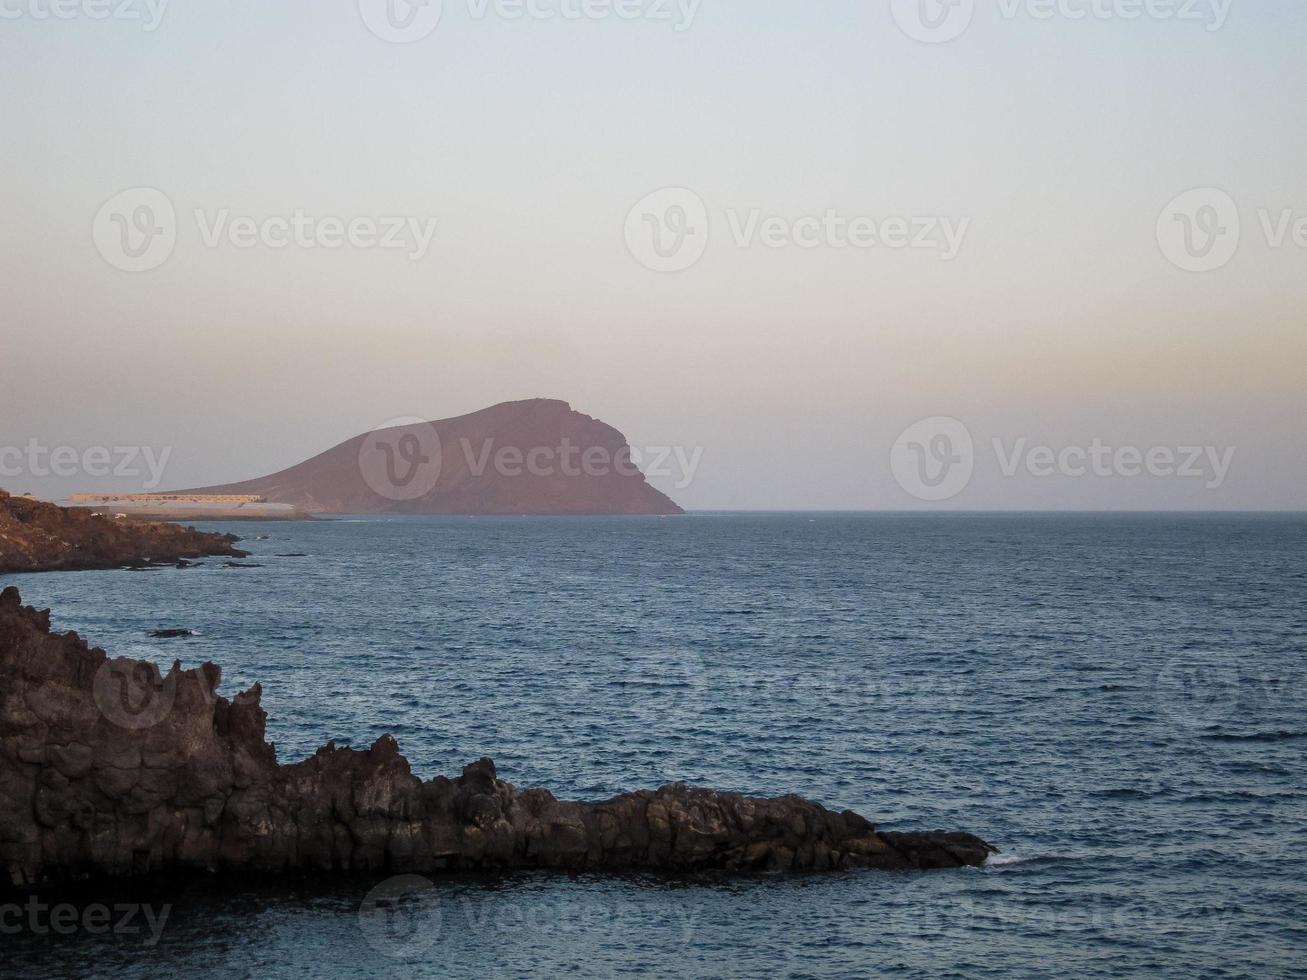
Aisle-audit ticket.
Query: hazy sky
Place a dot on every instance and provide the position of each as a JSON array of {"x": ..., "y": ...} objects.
[{"x": 1051, "y": 146}]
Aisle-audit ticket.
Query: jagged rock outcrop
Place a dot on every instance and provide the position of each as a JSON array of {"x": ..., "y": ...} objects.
[
  {"x": 42, "y": 537},
  {"x": 108, "y": 767},
  {"x": 527, "y": 457}
]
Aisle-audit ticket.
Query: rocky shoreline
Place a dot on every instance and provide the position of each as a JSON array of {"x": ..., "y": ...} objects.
[
  {"x": 109, "y": 768},
  {"x": 42, "y": 537}
]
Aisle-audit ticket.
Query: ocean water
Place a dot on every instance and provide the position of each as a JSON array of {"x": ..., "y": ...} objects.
[{"x": 1116, "y": 701}]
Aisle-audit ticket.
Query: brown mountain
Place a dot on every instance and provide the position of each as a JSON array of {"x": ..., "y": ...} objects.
[{"x": 527, "y": 457}]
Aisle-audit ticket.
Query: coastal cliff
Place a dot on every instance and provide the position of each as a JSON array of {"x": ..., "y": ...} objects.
[
  {"x": 41, "y": 537},
  {"x": 110, "y": 768},
  {"x": 537, "y": 457}
]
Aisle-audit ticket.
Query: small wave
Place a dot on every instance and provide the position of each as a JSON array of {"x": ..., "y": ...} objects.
[
  {"x": 1128, "y": 793},
  {"x": 1239, "y": 796},
  {"x": 1257, "y": 767},
  {"x": 1013, "y": 860},
  {"x": 1003, "y": 860},
  {"x": 1280, "y": 736}
]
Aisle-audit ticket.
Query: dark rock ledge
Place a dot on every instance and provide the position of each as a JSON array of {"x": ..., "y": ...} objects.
[
  {"x": 108, "y": 768},
  {"x": 41, "y": 537}
]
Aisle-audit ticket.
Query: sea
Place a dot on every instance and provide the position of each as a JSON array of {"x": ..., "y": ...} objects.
[{"x": 1115, "y": 701}]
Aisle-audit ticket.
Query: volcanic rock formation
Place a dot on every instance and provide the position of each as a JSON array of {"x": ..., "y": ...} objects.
[
  {"x": 109, "y": 768},
  {"x": 41, "y": 537},
  {"x": 527, "y": 457}
]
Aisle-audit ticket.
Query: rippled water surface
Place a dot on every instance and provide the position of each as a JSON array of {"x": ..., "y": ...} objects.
[{"x": 1117, "y": 702}]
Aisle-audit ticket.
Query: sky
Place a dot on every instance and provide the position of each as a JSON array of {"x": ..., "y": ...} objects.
[{"x": 854, "y": 255}]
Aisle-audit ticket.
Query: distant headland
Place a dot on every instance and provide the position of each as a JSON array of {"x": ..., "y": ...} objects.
[{"x": 536, "y": 457}]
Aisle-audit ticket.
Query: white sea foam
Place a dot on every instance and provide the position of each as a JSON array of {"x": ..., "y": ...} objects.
[{"x": 1005, "y": 860}]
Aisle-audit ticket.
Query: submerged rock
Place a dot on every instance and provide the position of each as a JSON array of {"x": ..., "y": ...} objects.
[{"x": 108, "y": 767}]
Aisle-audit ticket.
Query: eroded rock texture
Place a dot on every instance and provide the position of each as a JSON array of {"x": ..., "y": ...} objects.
[
  {"x": 109, "y": 768},
  {"x": 41, "y": 537}
]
